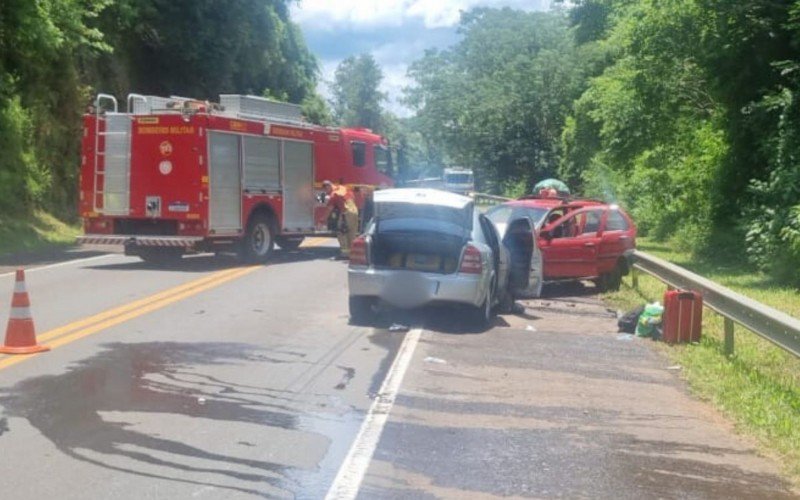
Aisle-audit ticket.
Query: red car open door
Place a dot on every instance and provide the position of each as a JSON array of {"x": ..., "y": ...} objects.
[{"x": 571, "y": 244}]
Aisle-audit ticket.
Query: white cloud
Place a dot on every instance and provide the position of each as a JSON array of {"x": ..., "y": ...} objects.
[
  {"x": 327, "y": 14},
  {"x": 394, "y": 79},
  {"x": 395, "y": 32}
]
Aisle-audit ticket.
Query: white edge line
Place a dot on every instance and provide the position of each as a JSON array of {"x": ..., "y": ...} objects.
[
  {"x": 61, "y": 264},
  {"x": 354, "y": 467}
]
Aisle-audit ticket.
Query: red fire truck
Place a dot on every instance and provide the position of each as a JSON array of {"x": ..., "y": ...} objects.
[{"x": 175, "y": 175}]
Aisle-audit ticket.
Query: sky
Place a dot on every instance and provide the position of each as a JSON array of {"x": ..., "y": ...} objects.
[{"x": 395, "y": 32}]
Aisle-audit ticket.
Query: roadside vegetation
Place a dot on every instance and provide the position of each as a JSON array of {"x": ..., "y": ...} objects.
[
  {"x": 759, "y": 386},
  {"x": 33, "y": 232},
  {"x": 686, "y": 112}
]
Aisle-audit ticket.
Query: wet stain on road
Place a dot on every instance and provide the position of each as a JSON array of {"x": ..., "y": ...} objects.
[
  {"x": 153, "y": 377},
  {"x": 568, "y": 463},
  {"x": 348, "y": 375}
]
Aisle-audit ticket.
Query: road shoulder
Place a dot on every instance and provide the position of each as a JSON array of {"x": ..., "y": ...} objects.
[{"x": 556, "y": 403}]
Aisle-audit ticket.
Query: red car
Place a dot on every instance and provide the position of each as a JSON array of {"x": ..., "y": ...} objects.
[{"x": 579, "y": 239}]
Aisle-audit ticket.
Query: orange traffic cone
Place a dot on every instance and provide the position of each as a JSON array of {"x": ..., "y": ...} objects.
[{"x": 20, "y": 334}]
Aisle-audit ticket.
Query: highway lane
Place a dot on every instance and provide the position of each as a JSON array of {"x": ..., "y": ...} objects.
[
  {"x": 213, "y": 380},
  {"x": 256, "y": 386}
]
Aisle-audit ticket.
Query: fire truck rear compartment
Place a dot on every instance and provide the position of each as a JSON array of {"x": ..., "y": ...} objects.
[
  {"x": 148, "y": 227},
  {"x": 422, "y": 251}
]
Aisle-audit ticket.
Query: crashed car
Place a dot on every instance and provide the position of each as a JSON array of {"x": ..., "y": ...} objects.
[
  {"x": 579, "y": 238},
  {"x": 430, "y": 247}
]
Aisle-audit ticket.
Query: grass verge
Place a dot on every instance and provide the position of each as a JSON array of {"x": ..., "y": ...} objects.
[
  {"x": 32, "y": 232},
  {"x": 759, "y": 386}
]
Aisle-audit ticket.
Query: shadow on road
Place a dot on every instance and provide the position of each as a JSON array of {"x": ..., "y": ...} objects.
[
  {"x": 50, "y": 256},
  {"x": 207, "y": 262},
  {"x": 155, "y": 377},
  {"x": 441, "y": 319},
  {"x": 586, "y": 457}
]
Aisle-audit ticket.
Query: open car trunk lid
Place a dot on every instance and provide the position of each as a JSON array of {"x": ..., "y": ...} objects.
[
  {"x": 433, "y": 209},
  {"x": 420, "y": 230}
]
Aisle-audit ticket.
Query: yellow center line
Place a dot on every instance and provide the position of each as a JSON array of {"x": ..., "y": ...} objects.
[
  {"x": 99, "y": 322},
  {"x": 79, "y": 329},
  {"x": 149, "y": 308},
  {"x": 131, "y": 306},
  {"x": 62, "y": 335}
]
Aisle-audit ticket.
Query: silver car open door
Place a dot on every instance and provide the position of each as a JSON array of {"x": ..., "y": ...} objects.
[
  {"x": 525, "y": 276},
  {"x": 536, "y": 279}
]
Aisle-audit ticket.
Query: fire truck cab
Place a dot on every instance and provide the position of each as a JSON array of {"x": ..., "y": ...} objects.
[{"x": 176, "y": 175}]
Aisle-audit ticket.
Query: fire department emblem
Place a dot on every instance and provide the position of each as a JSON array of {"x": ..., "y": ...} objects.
[{"x": 165, "y": 148}]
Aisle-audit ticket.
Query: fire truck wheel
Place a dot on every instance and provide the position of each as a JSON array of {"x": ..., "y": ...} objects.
[
  {"x": 258, "y": 242},
  {"x": 288, "y": 243},
  {"x": 161, "y": 255}
]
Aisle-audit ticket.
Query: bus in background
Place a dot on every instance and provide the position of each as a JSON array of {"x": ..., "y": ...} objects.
[{"x": 458, "y": 180}]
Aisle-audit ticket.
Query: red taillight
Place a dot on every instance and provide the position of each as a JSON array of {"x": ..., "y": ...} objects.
[
  {"x": 358, "y": 252},
  {"x": 471, "y": 261}
]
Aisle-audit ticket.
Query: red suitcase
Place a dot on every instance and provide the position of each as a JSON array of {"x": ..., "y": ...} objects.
[{"x": 683, "y": 316}]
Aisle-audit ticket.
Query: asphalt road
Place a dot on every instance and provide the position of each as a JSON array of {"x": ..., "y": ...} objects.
[{"x": 211, "y": 380}]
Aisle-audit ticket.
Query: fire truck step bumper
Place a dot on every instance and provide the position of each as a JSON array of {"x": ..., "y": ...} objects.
[{"x": 141, "y": 241}]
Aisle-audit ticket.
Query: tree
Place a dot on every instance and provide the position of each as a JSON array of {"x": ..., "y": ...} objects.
[
  {"x": 497, "y": 101},
  {"x": 316, "y": 109},
  {"x": 41, "y": 44},
  {"x": 54, "y": 54},
  {"x": 357, "y": 100},
  {"x": 692, "y": 122},
  {"x": 201, "y": 48}
]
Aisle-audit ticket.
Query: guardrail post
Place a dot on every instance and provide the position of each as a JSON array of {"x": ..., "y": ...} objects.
[
  {"x": 635, "y": 278},
  {"x": 728, "y": 337}
]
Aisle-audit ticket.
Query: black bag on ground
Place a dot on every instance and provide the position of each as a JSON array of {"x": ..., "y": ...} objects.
[{"x": 627, "y": 323}]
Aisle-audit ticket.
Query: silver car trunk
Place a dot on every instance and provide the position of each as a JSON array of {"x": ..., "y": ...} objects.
[{"x": 422, "y": 232}]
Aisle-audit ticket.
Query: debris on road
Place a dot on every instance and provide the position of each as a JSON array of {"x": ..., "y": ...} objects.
[
  {"x": 397, "y": 327},
  {"x": 626, "y": 322},
  {"x": 530, "y": 328},
  {"x": 438, "y": 361},
  {"x": 201, "y": 401},
  {"x": 649, "y": 318},
  {"x": 675, "y": 368}
]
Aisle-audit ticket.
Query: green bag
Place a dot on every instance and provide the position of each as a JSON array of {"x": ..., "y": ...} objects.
[{"x": 649, "y": 319}]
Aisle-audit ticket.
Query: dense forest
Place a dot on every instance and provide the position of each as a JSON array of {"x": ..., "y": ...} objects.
[
  {"x": 685, "y": 111},
  {"x": 55, "y": 55}
]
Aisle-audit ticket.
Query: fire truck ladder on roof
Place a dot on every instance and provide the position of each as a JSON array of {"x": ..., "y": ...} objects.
[
  {"x": 112, "y": 146},
  {"x": 256, "y": 108}
]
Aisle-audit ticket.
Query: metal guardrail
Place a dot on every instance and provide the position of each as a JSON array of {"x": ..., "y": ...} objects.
[
  {"x": 488, "y": 199},
  {"x": 771, "y": 324}
]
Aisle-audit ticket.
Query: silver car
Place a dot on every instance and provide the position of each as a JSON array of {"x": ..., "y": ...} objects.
[{"x": 425, "y": 246}]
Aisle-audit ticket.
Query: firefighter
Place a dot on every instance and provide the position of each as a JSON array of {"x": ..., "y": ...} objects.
[{"x": 342, "y": 200}]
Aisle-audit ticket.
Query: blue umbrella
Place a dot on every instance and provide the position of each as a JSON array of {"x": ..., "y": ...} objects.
[{"x": 551, "y": 184}]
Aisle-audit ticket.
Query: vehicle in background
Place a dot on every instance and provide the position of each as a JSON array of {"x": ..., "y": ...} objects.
[
  {"x": 424, "y": 182},
  {"x": 176, "y": 175},
  {"x": 426, "y": 246},
  {"x": 458, "y": 180},
  {"x": 579, "y": 239},
  {"x": 538, "y": 209}
]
